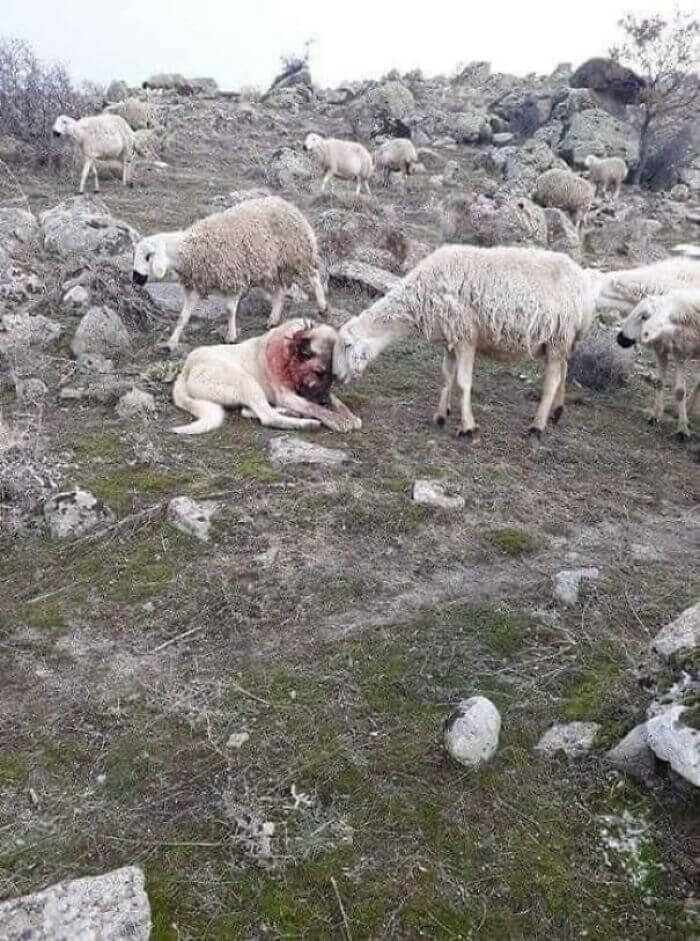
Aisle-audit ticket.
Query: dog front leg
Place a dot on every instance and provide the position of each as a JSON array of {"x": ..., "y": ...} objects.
[{"x": 331, "y": 419}]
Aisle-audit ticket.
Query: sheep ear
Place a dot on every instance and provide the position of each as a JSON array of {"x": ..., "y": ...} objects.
[{"x": 159, "y": 264}]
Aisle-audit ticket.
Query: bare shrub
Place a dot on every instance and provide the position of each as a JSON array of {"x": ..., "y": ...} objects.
[{"x": 599, "y": 363}]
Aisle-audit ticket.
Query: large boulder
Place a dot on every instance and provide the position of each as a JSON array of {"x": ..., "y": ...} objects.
[
  {"x": 84, "y": 225},
  {"x": 484, "y": 221},
  {"x": 384, "y": 109},
  {"x": 609, "y": 79},
  {"x": 520, "y": 166},
  {"x": 467, "y": 127},
  {"x": 17, "y": 227},
  {"x": 594, "y": 131}
]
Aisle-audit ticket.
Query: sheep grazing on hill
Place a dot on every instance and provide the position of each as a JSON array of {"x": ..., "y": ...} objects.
[
  {"x": 622, "y": 290},
  {"x": 345, "y": 159},
  {"x": 136, "y": 113},
  {"x": 265, "y": 242},
  {"x": 102, "y": 137},
  {"x": 606, "y": 173},
  {"x": 561, "y": 189},
  {"x": 396, "y": 156},
  {"x": 503, "y": 302},
  {"x": 164, "y": 81},
  {"x": 669, "y": 324}
]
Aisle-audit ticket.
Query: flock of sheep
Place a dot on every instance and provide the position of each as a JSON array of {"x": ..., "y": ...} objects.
[{"x": 501, "y": 302}]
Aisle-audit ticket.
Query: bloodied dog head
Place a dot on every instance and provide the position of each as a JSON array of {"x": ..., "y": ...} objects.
[{"x": 311, "y": 362}]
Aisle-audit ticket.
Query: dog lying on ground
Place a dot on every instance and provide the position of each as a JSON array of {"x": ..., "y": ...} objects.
[{"x": 282, "y": 378}]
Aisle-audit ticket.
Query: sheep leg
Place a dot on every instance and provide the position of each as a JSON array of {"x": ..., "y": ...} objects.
[
  {"x": 553, "y": 376},
  {"x": 277, "y": 306},
  {"x": 358, "y": 187},
  {"x": 464, "y": 359},
  {"x": 232, "y": 310},
  {"x": 560, "y": 397},
  {"x": 328, "y": 178},
  {"x": 191, "y": 298},
  {"x": 94, "y": 171},
  {"x": 449, "y": 368},
  {"x": 84, "y": 174},
  {"x": 315, "y": 281},
  {"x": 662, "y": 368},
  {"x": 682, "y": 431},
  {"x": 336, "y": 421},
  {"x": 369, "y": 191}
]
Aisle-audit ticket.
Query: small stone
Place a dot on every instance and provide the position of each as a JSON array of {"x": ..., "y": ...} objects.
[
  {"x": 633, "y": 756},
  {"x": 673, "y": 741},
  {"x": 94, "y": 363},
  {"x": 192, "y": 517},
  {"x": 682, "y": 634},
  {"x": 101, "y": 331},
  {"x": 471, "y": 732},
  {"x": 76, "y": 298},
  {"x": 136, "y": 404},
  {"x": 237, "y": 740},
  {"x": 567, "y": 584},
  {"x": 503, "y": 138},
  {"x": 75, "y": 513},
  {"x": 286, "y": 449},
  {"x": 574, "y": 739},
  {"x": 31, "y": 391},
  {"x": 432, "y": 493}
]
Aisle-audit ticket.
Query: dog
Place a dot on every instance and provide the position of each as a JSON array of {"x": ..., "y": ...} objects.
[{"x": 283, "y": 378}]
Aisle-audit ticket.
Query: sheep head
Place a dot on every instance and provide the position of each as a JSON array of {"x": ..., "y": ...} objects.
[
  {"x": 631, "y": 328},
  {"x": 63, "y": 125},
  {"x": 150, "y": 259}
]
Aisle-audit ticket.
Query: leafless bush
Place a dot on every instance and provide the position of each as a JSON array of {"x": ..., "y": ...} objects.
[{"x": 599, "y": 363}]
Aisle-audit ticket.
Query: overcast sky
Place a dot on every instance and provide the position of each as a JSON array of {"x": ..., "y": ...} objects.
[{"x": 239, "y": 42}]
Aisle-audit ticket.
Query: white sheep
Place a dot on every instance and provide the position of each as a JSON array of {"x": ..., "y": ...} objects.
[
  {"x": 164, "y": 81},
  {"x": 669, "y": 324},
  {"x": 102, "y": 137},
  {"x": 136, "y": 113},
  {"x": 606, "y": 173},
  {"x": 345, "y": 159},
  {"x": 561, "y": 189},
  {"x": 265, "y": 242},
  {"x": 503, "y": 302},
  {"x": 622, "y": 290},
  {"x": 397, "y": 155}
]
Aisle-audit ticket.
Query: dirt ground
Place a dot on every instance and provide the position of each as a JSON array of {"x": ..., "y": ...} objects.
[{"x": 337, "y": 623}]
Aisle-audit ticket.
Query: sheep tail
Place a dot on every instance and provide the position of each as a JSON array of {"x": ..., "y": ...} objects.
[{"x": 209, "y": 415}]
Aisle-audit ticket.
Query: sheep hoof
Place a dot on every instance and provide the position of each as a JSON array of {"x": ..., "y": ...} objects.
[
  {"x": 557, "y": 413},
  {"x": 534, "y": 433},
  {"x": 652, "y": 420},
  {"x": 439, "y": 419},
  {"x": 163, "y": 349},
  {"x": 682, "y": 436},
  {"x": 468, "y": 434}
]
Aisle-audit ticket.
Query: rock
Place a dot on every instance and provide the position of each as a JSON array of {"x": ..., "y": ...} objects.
[
  {"x": 633, "y": 756},
  {"x": 192, "y": 517},
  {"x": 680, "y": 192},
  {"x": 101, "y": 331},
  {"x": 484, "y": 221},
  {"x": 681, "y": 635},
  {"x": 597, "y": 132},
  {"x": 673, "y": 741},
  {"x": 610, "y": 79},
  {"x": 520, "y": 166},
  {"x": 111, "y": 907},
  {"x": 31, "y": 391},
  {"x": 373, "y": 280},
  {"x": 432, "y": 493},
  {"x": 436, "y": 181},
  {"x": 104, "y": 389},
  {"x": 94, "y": 363},
  {"x": 470, "y": 127},
  {"x": 568, "y": 583},
  {"x": 474, "y": 73},
  {"x": 17, "y": 227},
  {"x": 287, "y": 449},
  {"x": 117, "y": 90},
  {"x": 75, "y": 298},
  {"x": 450, "y": 171},
  {"x": 503, "y": 138},
  {"x": 287, "y": 168},
  {"x": 574, "y": 739},
  {"x": 386, "y": 108},
  {"x": 84, "y": 224},
  {"x": 74, "y": 513},
  {"x": 25, "y": 329},
  {"x": 561, "y": 233},
  {"x": 237, "y": 740},
  {"x": 136, "y": 404},
  {"x": 471, "y": 733},
  {"x": 19, "y": 284}
]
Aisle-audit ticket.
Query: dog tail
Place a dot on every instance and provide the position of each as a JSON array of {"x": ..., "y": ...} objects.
[{"x": 209, "y": 415}]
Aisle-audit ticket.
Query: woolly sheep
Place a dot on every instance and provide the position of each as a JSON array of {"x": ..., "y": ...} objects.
[
  {"x": 606, "y": 173},
  {"x": 503, "y": 302},
  {"x": 669, "y": 324},
  {"x": 265, "y": 242},
  {"x": 345, "y": 159},
  {"x": 562, "y": 189},
  {"x": 136, "y": 113},
  {"x": 164, "y": 81},
  {"x": 102, "y": 137},
  {"x": 397, "y": 155},
  {"x": 622, "y": 290}
]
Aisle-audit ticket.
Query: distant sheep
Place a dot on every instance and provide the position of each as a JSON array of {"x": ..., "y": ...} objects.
[
  {"x": 503, "y": 302},
  {"x": 136, "y": 113},
  {"x": 562, "y": 189},
  {"x": 102, "y": 137},
  {"x": 606, "y": 173},
  {"x": 397, "y": 155},
  {"x": 669, "y": 324},
  {"x": 345, "y": 159},
  {"x": 164, "y": 81},
  {"x": 265, "y": 242},
  {"x": 622, "y": 290}
]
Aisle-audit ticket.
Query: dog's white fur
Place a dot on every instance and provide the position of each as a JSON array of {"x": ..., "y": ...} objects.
[{"x": 215, "y": 377}]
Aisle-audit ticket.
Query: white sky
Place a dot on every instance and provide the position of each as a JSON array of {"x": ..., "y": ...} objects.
[{"x": 239, "y": 42}]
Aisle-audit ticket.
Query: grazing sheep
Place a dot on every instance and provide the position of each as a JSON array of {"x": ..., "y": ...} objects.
[
  {"x": 397, "y": 155},
  {"x": 669, "y": 324},
  {"x": 503, "y": 302},
  {"x": 164, "y": 81},
  {"x": 562, "y": 189},
  {"x": 265, "y": 242},
  {"x": 102, "y": 137},
  {"x": 345, "y": 159},
  {"x": 606, "y": 173},
  {"x": 622, "y": 290},
  {"x": 136, "y": 113}
]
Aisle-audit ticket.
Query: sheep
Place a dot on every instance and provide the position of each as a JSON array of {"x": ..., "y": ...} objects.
[
  {"x": 136, "y": 113},
  {"x": 622, "y": 290},
  {"x": 265, "y": 242},
  {"x": 503, "y": 302},
  {"x": 397, "y": 155},
  {"x": 164, "y": 81},
  {"x": 562, "y": 189},
  {"x": 606, "y": 173},
  {"x": 102, "y": 137},
  {"x": 669, "y": 324},
  {"x": 345, "y": 159}
]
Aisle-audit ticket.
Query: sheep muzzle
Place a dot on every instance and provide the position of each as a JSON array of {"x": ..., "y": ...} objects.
[
  {"x": 624, "y": 341},
  {"x": 139, "y": 278}
]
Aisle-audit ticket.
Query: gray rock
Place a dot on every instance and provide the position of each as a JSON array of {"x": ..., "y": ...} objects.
[
  {"x": 633, "y": 756},
  {"x": 520, "y": 166},
  {"x": 74, "y": 513},
  {"x": 682, "y": 634},
  {"x": 609, "y": 79},
  {"x": 471, "y": 733},
  {"x": 104, "y": 389},
  {"x": 561, "y": 233},
  {"x": 502, "y": 138},
  {"x": 597, "y": 132},
  {"x": 573, "y": 738},
  {"x": 673, "y": 741},
  {"x": 17, "y": 227},
  {"x": 136, "y": 404},
  {"x": 484, "y": 221},
  {"x": 26, "y": 329},
  {"x": 111, "y": 907},
  {"x": 287, "y": 449},
  {"x": 356, "y": 273},
  {"x": 19, "y": 284},
  {"x": 287, "y": 168},
  {"x": 192, "y": 517},
  {"x": 101, "y": 331},
  {"x": 450, "y": 171},
  {"x": 117, "y": 90},
  {"x": 567, "y": 584},
  {"x": 432, "y": 493},
  {"x": 470, "y": 127},
  {"x": 386, "y": 108},
  {"x": 680, "y": 192},
  {"x": 94, "y": 363},
  {"x": 76, "y": 298},
  {"x": 84, "y": 224},
  {"x": 31, "y": 391}
]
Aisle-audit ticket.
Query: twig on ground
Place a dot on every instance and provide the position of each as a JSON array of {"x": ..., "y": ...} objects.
[
  {"x": 178, "y": 637},
  {"x": 348, "y": 933}
]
